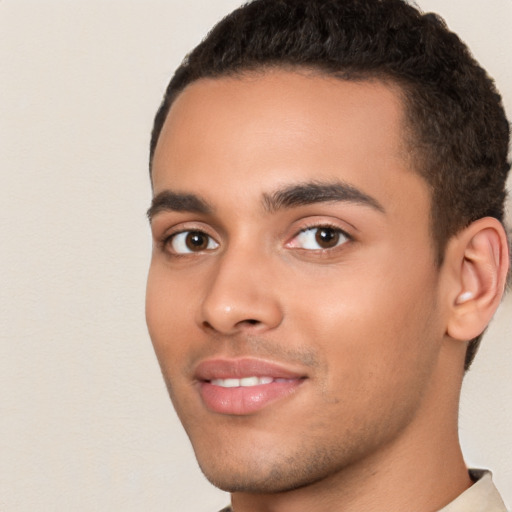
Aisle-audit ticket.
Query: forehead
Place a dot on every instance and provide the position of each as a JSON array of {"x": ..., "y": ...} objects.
[{"x": 268, "y": 129}]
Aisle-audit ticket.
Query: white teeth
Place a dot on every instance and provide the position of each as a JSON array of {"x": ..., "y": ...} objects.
[
  {"x": 230, "y": 383},
  {"x": 249, "y": 381},
  {"x": 246, "y": 382}
]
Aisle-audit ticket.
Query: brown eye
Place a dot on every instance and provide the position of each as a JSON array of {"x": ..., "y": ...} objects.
[
  {"x": 196, "y": 241},
  {"x": 327, "y": 237},
  {"x": 192, "y": 241},
  {"x": 319, "y": 238}
]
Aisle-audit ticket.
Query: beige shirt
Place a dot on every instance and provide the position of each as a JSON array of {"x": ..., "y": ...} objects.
[{"x": 482, "y": 496}]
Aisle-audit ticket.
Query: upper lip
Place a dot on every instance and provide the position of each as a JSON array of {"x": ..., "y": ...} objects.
[{"x": 221, "y": 368}]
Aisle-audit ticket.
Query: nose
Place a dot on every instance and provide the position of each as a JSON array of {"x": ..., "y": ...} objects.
[{"x": 241, "y": 295}]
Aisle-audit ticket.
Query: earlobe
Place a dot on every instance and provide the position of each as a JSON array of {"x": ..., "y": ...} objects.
[{"x": 480, "y": 262}]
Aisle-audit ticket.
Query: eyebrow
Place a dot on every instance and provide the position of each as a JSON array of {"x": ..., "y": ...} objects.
[
  {"x": 318, "y": 192},
  {"x": 288, "y": 197},
  {"x": 169, "y": 201}
]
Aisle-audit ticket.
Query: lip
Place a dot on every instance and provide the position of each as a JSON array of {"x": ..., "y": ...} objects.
[{"x": 245, "y": 400}]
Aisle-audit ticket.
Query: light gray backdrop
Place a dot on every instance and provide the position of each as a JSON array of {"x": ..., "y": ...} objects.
[{"x": 85, "y": 422}]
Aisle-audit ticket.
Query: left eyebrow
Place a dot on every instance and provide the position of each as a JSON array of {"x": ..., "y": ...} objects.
[
  {"x": 168, "y": 201},
  {"x": 318, "y": 192}
]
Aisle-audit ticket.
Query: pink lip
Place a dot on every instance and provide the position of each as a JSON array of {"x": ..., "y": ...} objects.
[{"x": 244, "y": 400}]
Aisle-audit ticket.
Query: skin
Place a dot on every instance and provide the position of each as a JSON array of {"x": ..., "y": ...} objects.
[{"x": 375, "y": 418}]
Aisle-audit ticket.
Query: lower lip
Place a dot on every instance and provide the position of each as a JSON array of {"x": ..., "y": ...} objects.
[{"x": 245, "y": 400}]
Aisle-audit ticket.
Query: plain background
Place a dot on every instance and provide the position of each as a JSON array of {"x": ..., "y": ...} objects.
[{"x": 85, "y": 422}]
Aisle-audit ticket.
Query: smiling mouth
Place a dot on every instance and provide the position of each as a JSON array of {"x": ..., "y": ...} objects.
[
  {"x": 243, "y": 387},
  {"x": 245, "y": 382}
]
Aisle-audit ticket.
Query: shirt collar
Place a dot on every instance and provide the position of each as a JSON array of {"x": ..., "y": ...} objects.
[{"x": 482, "y": 496}]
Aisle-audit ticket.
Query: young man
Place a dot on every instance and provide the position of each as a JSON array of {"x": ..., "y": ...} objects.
[{"x": 329, "y": 179}]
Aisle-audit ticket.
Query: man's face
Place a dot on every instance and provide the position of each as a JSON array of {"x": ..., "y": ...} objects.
[{"x": 292, "y": 294}]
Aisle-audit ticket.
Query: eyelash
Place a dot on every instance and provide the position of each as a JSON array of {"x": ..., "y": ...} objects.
[
  {"x": 324, "y": 225},
  {"x": 167, "y": 240}
]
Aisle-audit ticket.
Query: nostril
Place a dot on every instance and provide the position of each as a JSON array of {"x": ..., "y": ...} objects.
[{"x": 249, "y": 322}]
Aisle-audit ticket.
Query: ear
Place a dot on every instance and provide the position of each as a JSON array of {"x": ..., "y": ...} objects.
[{"x": 478, "y": 262}]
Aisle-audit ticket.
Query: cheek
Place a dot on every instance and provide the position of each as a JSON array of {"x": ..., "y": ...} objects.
[
  {"x": 157, "y": 302},
  {"x": 168, "y": 317},
  {"x": 369, "y": 323},
  {"x": 168, "y": 309}
]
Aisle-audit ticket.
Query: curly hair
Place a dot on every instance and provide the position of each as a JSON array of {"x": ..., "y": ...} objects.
[{"x": 456, "y": 129}]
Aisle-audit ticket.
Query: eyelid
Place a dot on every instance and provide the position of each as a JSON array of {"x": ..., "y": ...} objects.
[
  {"x": 164, "y": 241},
  {"x": 178, "y": 243},
  {"x": 319, "y": 225}
]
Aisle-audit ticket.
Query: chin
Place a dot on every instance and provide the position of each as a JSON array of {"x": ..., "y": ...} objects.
[
  {"x": 242, "y": 482},
  {"x": 281, "y": 474}
]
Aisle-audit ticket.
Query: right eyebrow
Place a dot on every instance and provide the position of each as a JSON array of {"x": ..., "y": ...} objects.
[
  {"x": 169, "y": 201},
  {"x": 318, "y": 192}
]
